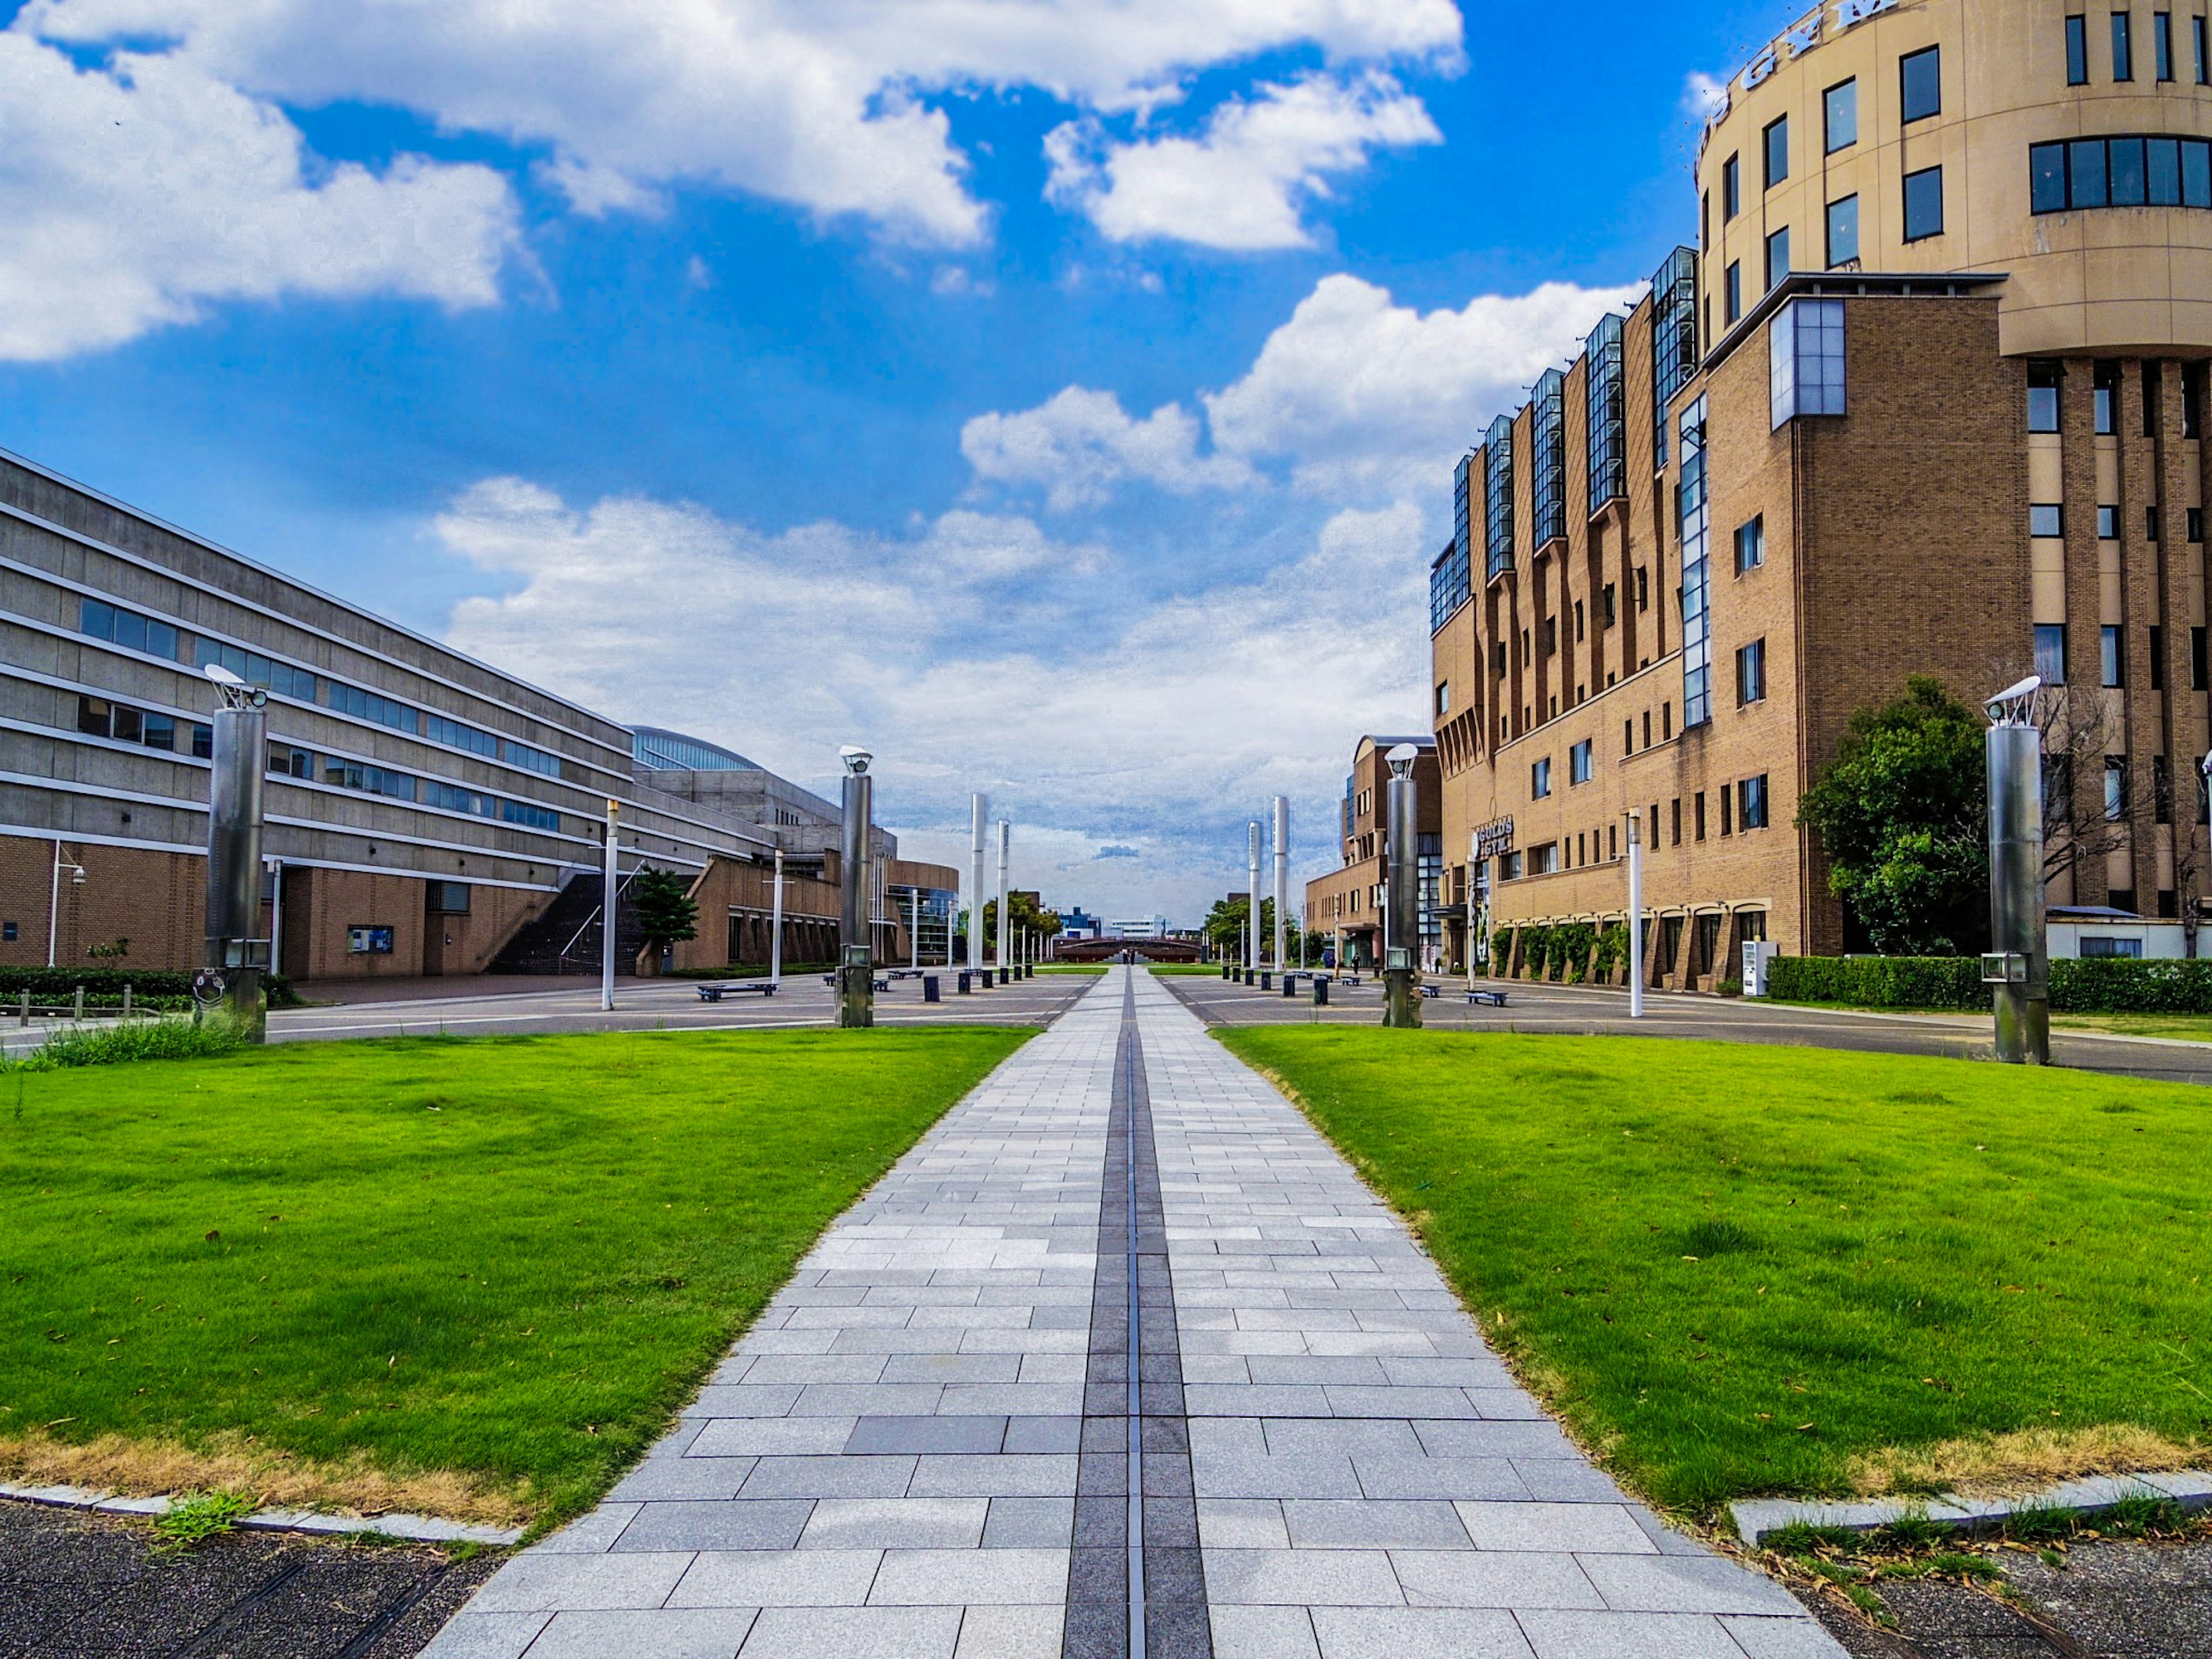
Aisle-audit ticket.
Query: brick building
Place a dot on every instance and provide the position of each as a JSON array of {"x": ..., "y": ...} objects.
[
  {"x": 1345, "y": 906},
  {"x": 426, "y": 813},
  {"x": 1926, "y": 398}
]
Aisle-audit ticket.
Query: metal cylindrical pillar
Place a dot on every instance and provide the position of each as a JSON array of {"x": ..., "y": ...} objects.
[
  {"x": 1402, "y": 900},
  {"x": 1635, "y": 915},
  {"x": 856, "y": 959},
  {"x": 999, "y": 940},
  {"x": 776, "y": 926},
  {"x": 2020, "y": 980},
  {"x": 1252, "y": 921},
  {"x": 609, "y": 905},
  {"x": 236, "y": 947},
  {"x": 1282, "y": 879}
]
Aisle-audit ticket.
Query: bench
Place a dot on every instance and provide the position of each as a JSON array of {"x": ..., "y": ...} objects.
[
  {"x": 1432, "y": 990},
  {"x": 881, "y": 984},
  {"x": 713, "y": 992},
  {"x": 1488, "y": 999}
]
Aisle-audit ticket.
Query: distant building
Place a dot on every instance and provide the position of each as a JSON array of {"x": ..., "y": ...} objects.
[
  {"x": 1150, "y": 927},
  {"x": 1077, "y": 924},
  {"x": 1346, "y": 907}
]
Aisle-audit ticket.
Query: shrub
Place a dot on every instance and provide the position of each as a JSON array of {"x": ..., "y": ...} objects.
[
  {"x": 1501, "y": 951},
  {"x": 1535, "y": 950},
  {"x": 1571, "y": 945},
  {"x": 2115, "y": 985},
  {"x": 1881, "y": 981},
  {"x": 103, "y": 987},
  {"x": 1612, "y": 952},
  {"x": 153, "y": 1039}
]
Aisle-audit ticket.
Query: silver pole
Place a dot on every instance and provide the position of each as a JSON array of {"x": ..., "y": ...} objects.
[
  {"x": 1282, "y": 879},
  {"x": 776, "y": 926},
  {"x": 1403, "y": 897},
  {"x": 54, "y": 905},
  {"x": 856, "y": 962},
  {"x": 914, "y": 928},
  {"x": 2018, "y": 968},
  {"x": 276, "y": 916},
  {"x": 978, "y": 810},
  {"x": 1005, "y": 852},
  {"x": 237, "y": 950},
  {"x": 1636, "y": 915},
  {"x": 1252, "y": 921},
  {"x": 609, "y": 913}
]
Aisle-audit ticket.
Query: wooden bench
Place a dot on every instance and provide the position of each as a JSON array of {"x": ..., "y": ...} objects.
[
  {"x": 1487, "y": 999},
  {"x": 716, "y": 992}
]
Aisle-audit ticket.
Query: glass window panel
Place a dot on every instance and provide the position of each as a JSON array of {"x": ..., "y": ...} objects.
[
  {"x": 2046, "y": 172},
  {"x": 2161, "y": 45},
  {"x": 130, "y": 630},
  {"x": 2162, "y": 159},
  {"x": 1841, "y": 108},
  {"x": 2085, "y": 163},
  {"x": 2195, "y": 173},
  {"x": 1843, "y": 231},
  {"x": 2050, "y": 652},
  {"x": 2077, "y": 52},
  {"x": 1923, "y": 205},
  {"x": 160, "y": 731},
  {"x": 1778, "y": 152},
  {"x": 1922, "y": 77},
  {"x": 2126, "y": 162},
  {"x": 2123, "y": 55}
]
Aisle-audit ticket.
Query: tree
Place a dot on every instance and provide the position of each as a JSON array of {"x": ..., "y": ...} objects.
[
  {"x": 1028, "y": 917},
  {"x": 1903, "y": 812},
  {"x": 666, "y": 914},
  {"x": 1225, "y": 923}
]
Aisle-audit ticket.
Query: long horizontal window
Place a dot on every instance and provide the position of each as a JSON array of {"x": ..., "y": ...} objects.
[
  {"x": 2100, "y": 173},
  {"x": 127, "y": 628},
  {"x": 96, "y": 717},
  {"x": 521, "y": 754},
  {"x": 368, "y": 705},
  {"x": 454, "y": 799},
  {"x": 529, "y": 817},
  {"x": 255, "y": 669},
  {"x": 454, "y": 735}
]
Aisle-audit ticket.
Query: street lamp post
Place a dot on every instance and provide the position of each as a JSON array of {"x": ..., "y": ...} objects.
[
  {"x": 610, "y": 906},
  {"x": 237, "y": 951},
  {"x": 54, "y": 898},
  {"x": 856, "y": 962},
  {"x": 2018, "y": 966},
  {"x": 1282, "y": 878},
  {"x": 1006, "y": 853},
  {"x": 1252, "y": 918},
  {"x": 776, "y": 926},
  {"x": 1401, "y": 993},
  {"x": 1636, "y": 915}
]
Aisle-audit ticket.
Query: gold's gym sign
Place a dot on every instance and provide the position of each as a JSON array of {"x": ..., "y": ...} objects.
[{"x": 1809, "y": 32}]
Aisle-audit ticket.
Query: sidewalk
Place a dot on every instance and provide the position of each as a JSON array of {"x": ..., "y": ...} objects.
[{"x": 934, "y": 1445}]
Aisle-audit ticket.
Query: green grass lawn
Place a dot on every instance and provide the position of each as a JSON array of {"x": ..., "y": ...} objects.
[
  {"x": 1742, "y": 1269},
  {"x": 2190, "y": 1028},
  {"x": 503, "y": 1262}
]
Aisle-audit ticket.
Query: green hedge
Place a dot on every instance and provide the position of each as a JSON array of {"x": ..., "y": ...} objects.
[
  {"x": 2104, "y": 985},
  {"x": 103, "y": 987}
]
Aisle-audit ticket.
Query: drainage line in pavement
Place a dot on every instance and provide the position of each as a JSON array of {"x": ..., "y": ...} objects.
[{"x": 1136, "y": 1346}]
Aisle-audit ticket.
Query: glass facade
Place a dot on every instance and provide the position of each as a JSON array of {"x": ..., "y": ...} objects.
[
  {"x": 1447, "y": 584},
  {"x": 1920, "y": 83},
  {"x": 1695, "y": 516},
  {"x": 1498, "y": 499},
  {"x": 368, "y": 706},
  {"x": 1549, "y": 480},
  {"x": 252, "y": 667},
  {"x": 1673, "y": 339},
  {"x": 1608, "y": 412},
  {"x": 1805, "y": 360},
  {"x": 1923, "y": 205},
  {"x": 1843, "y": 232},
  {"x": 1463, "y": 489},
  {"x": 129, "y": 629},
  {"x": 671, "y": 751},
  {"x": 2099, "y": 172}
]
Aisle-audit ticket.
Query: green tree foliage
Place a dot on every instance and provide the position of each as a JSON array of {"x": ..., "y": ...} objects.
[
  {"x": 1903, "y": 811},
  {"x": 1226, "y": 924},
  {"x": 666, "y": 914},
  {"x": 1028, "y": 917}
]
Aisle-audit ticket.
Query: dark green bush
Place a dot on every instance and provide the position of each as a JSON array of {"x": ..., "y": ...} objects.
[
  {"x": 1611, "y": 952},
  {"x": 153, "y": 1039},
  {"x": 1880, "y": 982},
  {"x": 103, "y": 987},
  {"x": 1571, "y": 945},
  {"x": 2114, "y": 985}
]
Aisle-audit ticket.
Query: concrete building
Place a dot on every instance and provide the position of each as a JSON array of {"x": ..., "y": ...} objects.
[
  {"x": 1346, "y": 907},
  {"x": 426, "y": 813},
  {"x": 1927, "y": 397}
]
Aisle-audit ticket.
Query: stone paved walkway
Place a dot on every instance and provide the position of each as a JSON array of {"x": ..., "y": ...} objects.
[{"x": 923, "y": 1448}]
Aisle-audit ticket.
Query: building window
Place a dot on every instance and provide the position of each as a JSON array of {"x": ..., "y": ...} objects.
[
  {"x": 1498, "y": 499},
  {"x": 1607, "y": 411},
  {"x": 1665, "y": 722},
  {"x": 2197, "y": 665},
  {"x": 534, "y": 760},
  {"x": 452, "y": 798},
  {"x": 1840, "y": 111},
  {"x": 1751, "y": 802},
  {"x": 2107, "y": 393},
  {"x": 368, "y": 706},
  {"x": 1545, "y": 860},
  {"x": 2050, "y": 652},
  {"x": 2151, "y": 525},
  {"x": 2108, "y": 523},
  {"x": 2046, "y": 518},
  {"x": 1777, "y": 257},
  {"x": 127, "y": 628},
  {"x": 1923, "y": 205},
  {"x": 1697, "y": 815},
  {"x": 2198, "y": 33},
  {"x": 1733, "y": 302},
  {"x": 1448, "y": 582},
  {"x": 532, "y": 817},
  {"x": 1673, "y": 340},
  {"x": 454, "y": 735},
  {"x": 1920, "y": 80},
  {"x": 1608, "y": 605},
  {"x": 256, "y": 670},
  {"x": 1843, "y": 232},
  {"x": 96, "y": 717},
  {"x": 1751, "y": 673},
  {"x": 2113, "y": 656},
  {"x": 1727, "y": 810},
  {"x": 2042, "y": 377},
  {"x": 1751, "y": 544},
  {"x": 2192, "y": 400},
  {"x": 2133, "y": 171},
  {"x": 2116, "y": 787},
  {"x": 2194, "y": 518},
  {"x": 2123, "y": 53},
  {"x": 2157, "y": 658},
  {"x": 1731, "y": 188},
  {"x": 2161, "y": 45},
  {"x": 1578, "y": 764},
  {"x": 1694, "y": 514},
  {"x": 1778, "y": 151},
  {"x": 1539, "y": 779},
  {"x": 2077, "y": 51},
  {"x": 1805, "y": 360},
  {"x": 1548, "y": 420}
]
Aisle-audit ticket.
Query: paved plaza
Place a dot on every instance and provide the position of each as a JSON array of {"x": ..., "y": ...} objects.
[{"x": 1120, "y": 1339}]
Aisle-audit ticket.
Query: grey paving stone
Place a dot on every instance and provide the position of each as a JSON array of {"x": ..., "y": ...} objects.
[
  {"x": 1507, "y": 1578},
  {"x": 885, "y": 1476},
  {"x": 777, "y": 1578},
  {"x": 593, "y": 1533},
  {"x": 1242, "y": 1524},
  {"x": 1371, "y": 1523},
  {"x": 1781, "y": 1639},
  {"x": 760, "y": 1437},
  {"x": 1673, "y": 1584},
  {"x": 710, "y": 1524},
  {"x": 471, "y": 1634},
  {"x": 1028, "y": 1523},
  {"x": 925, "y": 1434},
  {"x": 1009, "y": 1633},
  {"x": 664, "y": 1632},
  {"x": 1584, "y": 1527},
  {"x": 1006, "y": 1475},
  {"x": 869, "y": 1401},
  {"x": 745, "y": 1400},
  {"x": 1353, "y": 1436},
  {"x": 1241, "y": 1475},
  {"x": 970, "y": 1577},
  {"x": 1486, "y": 1478},
  {"x": 947, "y": 1367},
  {"x": 1047, "y": 1435},
  {"x": 1301, "y": 1578},
  {"x": 1421, "y": 1633},
  {"x": 1264, "y": 1633},
  {"x": 896, "y": 1523},
  {"x": 854, "y": 1633},
  {"x": 1560, "y": 1635},
  {"x": 542, "y": 1584},
  {"x": 683, "y": 1477},
  {"x": 1443, "y": 1438}
]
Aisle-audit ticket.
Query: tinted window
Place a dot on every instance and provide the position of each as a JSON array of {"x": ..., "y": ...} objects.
[
  {"x": 1778, "y": 256},
  {"x": 1778, "y": 152},
  {"x": 2085, "y": 173},
  {"x": 2162, "y": 172},
  {"x": 1922, "y": 80},
  {"x": 1923, "y": 205},
  {"x": 2125, "y": 164},
  {"x": 2050, "y": 652},
  {"x": 2077, "y": 52},
  {"x": 1843, "y": 116},
  {"x": 2046, "y": 174},
  {"x": 1843, "y": 231},
  {"x": 2046, "y": 518},
  {"x": 2124, "y": 56},
  {"x": 1731, "y": 187}
]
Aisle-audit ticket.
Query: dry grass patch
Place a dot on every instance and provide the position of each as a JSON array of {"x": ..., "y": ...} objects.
[{"x": 2025, "y": 1461}]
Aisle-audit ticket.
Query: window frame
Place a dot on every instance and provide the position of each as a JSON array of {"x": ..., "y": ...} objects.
[
  {"x": 1751, "y": 672},
  {"x": 2050, "y": 652},
  {"x": 1836, "y": 256},
  {"x": 1775, "y": 132},
  {"x": 1582, "y": 762},
  {"x": 2077, "y": 49},
  {"x": 2161, "y": 47},
  {"x": 1732, "y": 188},
  {"x": 2123, "y": 47},
  {"x": 1751, "y": 533},
  {"x": 2052, "y": 513},
  {"x": 1778, "y": 241},
  {"x": 1904, "y": 70},
  {"x": 1835, "y": 146},
  {"x": 1916, "y": 176}
]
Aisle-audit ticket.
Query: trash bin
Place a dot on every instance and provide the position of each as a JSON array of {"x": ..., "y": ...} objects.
[
  {"x": 1267, "y": 979},
  {"x": 964, "y": 982},
  {"x": 1290, "y": 985},
  {"x": 1004, "y": 975},
  {"x": 930, "y": 988},
  {"x": 1321, "y": 991},
  {"x": 1225, "y": 970}
]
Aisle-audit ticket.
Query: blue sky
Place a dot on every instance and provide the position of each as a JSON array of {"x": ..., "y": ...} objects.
[{"x": 1058, "y": 398}]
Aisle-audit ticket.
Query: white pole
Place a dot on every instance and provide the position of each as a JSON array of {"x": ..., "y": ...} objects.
[
  {"x": 277, "y": 917},
  {"x": 914, "y": 928},
  {"x": 1252, "y": 847},
  {"x": 608, "y": 913},
  {"x": 979, "y": 809},
  {"x": 1282, "y": 879},
  {"x": 776, "y": 926},
  {"x": 1635, "y": 916},
  {"x": 1474, "y": 921},
  {"x": 1006, "y": 851},
  {"x": 54, "y": 904}
]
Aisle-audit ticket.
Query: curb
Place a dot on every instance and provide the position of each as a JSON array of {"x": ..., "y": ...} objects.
[
  {"x": 1756, "y": 1517},
  {"x": 408, "y": 1528}
]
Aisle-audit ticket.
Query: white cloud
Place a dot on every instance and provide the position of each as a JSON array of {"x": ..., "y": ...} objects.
[
  {"x": 1243, "y": 183},
  {"x": 813, "y": 102},
  {"x": 1157, "y": 733},
  {"x": 130, "y": 197},
  {"x": 1361, "y": 394},
  {"x": 1704, "y": 96},
  {"x": 1081, "y": 443}
]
